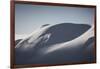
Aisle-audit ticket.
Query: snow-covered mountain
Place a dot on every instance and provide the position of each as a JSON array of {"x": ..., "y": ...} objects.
[{"x": 56, "y": 44}]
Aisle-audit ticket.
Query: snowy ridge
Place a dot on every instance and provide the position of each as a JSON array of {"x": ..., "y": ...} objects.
[{"x": 34, "y": 36}]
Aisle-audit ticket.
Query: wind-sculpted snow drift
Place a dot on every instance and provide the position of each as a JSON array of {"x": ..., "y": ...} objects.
[{"x": 57, "y": 44}]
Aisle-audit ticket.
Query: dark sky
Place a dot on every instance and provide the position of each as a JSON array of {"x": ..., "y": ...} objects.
[{"x": 30, "y": 17}]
